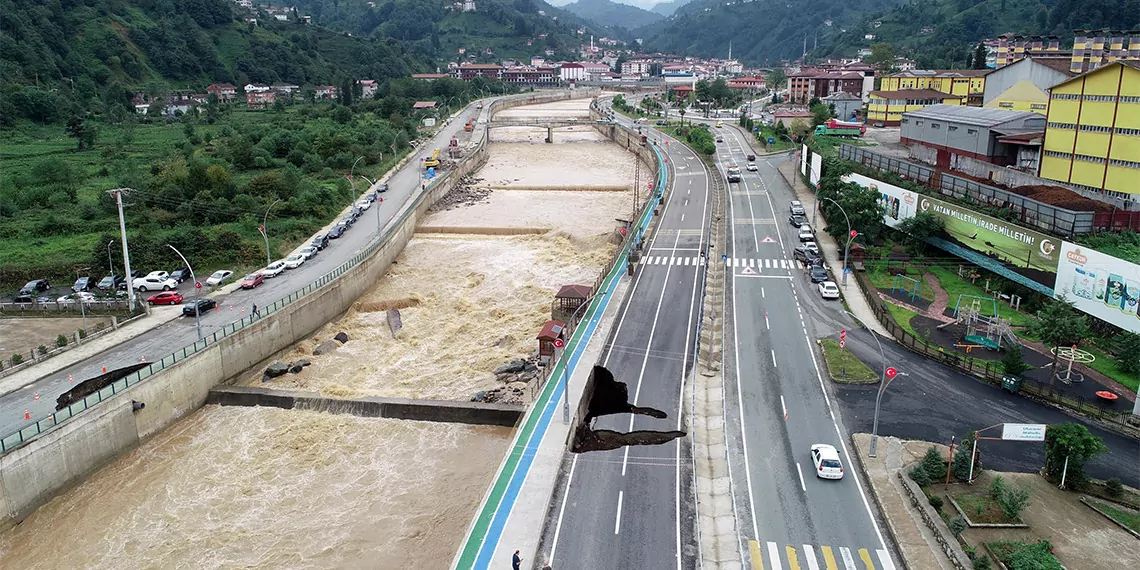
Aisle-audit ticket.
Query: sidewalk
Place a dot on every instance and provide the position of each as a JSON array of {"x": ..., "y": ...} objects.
[{"x": 832, "y": 253}]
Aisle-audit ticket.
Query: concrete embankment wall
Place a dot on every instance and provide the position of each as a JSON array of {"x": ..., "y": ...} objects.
[
  {"x": 32, "y": 474},
  {"x": 476, "y": 413}
]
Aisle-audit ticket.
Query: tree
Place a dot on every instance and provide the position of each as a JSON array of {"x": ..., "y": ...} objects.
[
  {"x": 777, "y": 79},
  {"x": 1059, "y": 324},
  {"x": 1128, "y": 358},
  {"x": 819, "y": 114},
  {"x": 980, "y": 56},
  {"x": 1074, "y": 442},
  {"x": 76, "y": 129},
  {"x": 960, "y": 466},
  {"x": 921, "y": 227},
  {"x": 799, "y": 128},
  {"x": 346, "y": 92},
  {"x": 882, "y": 57},
  {"x": 1013, "y": 363}
]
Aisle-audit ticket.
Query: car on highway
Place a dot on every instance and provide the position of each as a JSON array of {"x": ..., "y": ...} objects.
[
  {"x": 719, "y": 125},
  {"x": 308, "y": 252},
  {"x": 382, "y": 188},
  {"x": 74, "y": 297},
  {"x": 828, "y": 290},
  {"x": 719, "y": 139},
  {"x": 35, "y": 286},
  {"x": 83, "y": 284},
  {"x": 180, "y": 274},
  {"x": 154, "y": 283},
  {"x": 274, "y": 269},
  {"x": 826, "y": 461},
  {"x": 797, "y": 207},
  {"x": 202, "y": 305},
  {"x": 252, "y": 280},
  {"x": 294, "y": 261},
  {"x": 812, "y": 246},
  {"x": 751, "y": 167},
  {"x": 796, "y": 220},
  {"x": 337, "y": 230},
  {"x": 751, "y": 158},
  {"x": 218, "y": 277},
  {"x": 805, "y": 233},
  {"x": 165, "y": 298},
  {"x": 110, "y": 282},
  {"x": 818, "y": 274},
  {"x": 806, "y": 256}
]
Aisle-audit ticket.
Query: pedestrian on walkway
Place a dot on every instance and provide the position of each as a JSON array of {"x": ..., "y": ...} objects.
[
  {"x": 516, "y": 561},
  {"x": 255, "y": 313}
]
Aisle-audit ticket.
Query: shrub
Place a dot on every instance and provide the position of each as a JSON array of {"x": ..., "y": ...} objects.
[
  {"x": 998, "y": 488},
  {"x": 17, "y": 358},
  {"x": 1012, "y": 500},
  {"x": 82, "y": 333},
  {"x": 61, "y": 340},
  {"x": 936, "y": 502},
  {"x": 933, "y": 465},
  {"x": 918, "y": 475},
  {"x": 960, "y": 467},
  {"x": 1114, "y": 488},
  {"x": 957, "y": 525},
  {"x": 42, "y": 349},
  {"x": 982, "y": 563}
]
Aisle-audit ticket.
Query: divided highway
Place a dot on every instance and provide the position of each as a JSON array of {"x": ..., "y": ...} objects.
[
  {"x": 777, "y": 403},
  {"x": 180, "y": 332},
  {"x": 633, "y": 507}
]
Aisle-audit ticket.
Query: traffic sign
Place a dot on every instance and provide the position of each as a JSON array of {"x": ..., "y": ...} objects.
[
  {"x": 197, "y": 284},
  {"x": 842, "y": 343},
  {"x": 771, "y": 140},
  {"x": 854, "y": 233},
  {"x": 380, "y": 199},
  {"x": 843, "y": 334},
  {"x": 558, "y": 343},
  {"x": 891, "y": 372}
]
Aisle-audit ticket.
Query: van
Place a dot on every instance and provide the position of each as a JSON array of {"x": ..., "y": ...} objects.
[{"x": 733, "y": 173}]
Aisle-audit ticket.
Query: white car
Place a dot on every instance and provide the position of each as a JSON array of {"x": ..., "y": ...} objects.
[
  {"x": 364, "y": 204},
  {"x": 828, "y": 290},
  {"x": 752, "y": 167},
  {"x": 796, "y": 207},
  {"x": 308, "y": 252},
  {"x": 273, "y": 269},
  {"x": 154, "y": 283},
  {"x": 294, "y": 261},
  {"x": 826, "y": 461},
  {"x": 812, "y": 246},
  {"x": 70, "y": 299},
  {"x": 159, "y": 274},
  {"x": 806, "y": 235},
  {"x": 218, "y": 276}
]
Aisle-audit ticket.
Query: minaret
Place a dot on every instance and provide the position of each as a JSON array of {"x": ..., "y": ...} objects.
[{"x": 729, "y": 51}]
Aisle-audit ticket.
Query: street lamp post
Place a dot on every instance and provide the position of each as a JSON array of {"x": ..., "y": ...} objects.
[
  {"x": 380, "y": 200},
  {"x": 82, "y": 301},
  {"x": 883, "y": 383},
  {"x": 265, "y": 231},
  {"x": 850, "y": 236},
  {"x": 111, "y": 263},
  {"x": 197, "y": 306}
]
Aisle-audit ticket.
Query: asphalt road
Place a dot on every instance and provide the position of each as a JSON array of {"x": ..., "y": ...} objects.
[
  {"x": 777, "y": 405},
  {"x": 180, "y": 332},
  {"x": 633, "y": 507}
]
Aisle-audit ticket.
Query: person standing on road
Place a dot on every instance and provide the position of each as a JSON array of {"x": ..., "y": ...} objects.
[{"x": 516, "y": 561}]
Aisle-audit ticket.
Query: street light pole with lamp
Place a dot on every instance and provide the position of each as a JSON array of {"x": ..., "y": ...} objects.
[
  {"x": 111, "y": 263},
  {"x": 197, "y": 306},
  {"x": 82, "y": 301},
  {"x": 265, "y": 231},
  {"x": 850, "y": 235},
  {"x": 379, "y": 200},
  {"x": 889, "y": 373}
]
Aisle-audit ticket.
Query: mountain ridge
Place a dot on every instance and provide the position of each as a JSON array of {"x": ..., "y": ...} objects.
[{"x": 608, "y": 13}]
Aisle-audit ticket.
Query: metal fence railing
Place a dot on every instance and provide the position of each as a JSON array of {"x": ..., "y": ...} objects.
[{"x": 37, "y": 426}]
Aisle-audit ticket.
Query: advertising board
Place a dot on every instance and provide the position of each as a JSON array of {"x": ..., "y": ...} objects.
[
  {"x": 1029, "y": 253},
  {"x": 1100, "y": 285},
  {"x": 1023, "y": 432},
  {"x": 816, "y": 168},
  {"x": 803, "y": 160}
]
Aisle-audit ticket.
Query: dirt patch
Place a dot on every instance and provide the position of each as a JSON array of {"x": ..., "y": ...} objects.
[
  {"x": 1060, "y": 197},
  {"x": 462, "y": 194},
  {"x": 24, "y": 334}
]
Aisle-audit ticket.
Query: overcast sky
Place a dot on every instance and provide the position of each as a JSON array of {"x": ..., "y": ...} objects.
[{"x": 647, "y": 4}]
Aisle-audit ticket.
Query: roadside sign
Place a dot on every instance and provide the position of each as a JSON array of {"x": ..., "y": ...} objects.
[
  {"x": 1023, "y": 432},
  {"x": 197, "y": 284},
  {"x": 891, "y": 372},
  {"x": 558, "y": 343},
  {"x": 771, "y": 140},
  {"x": 854, "y": 233},
  {"x": 842, "y": 343},
  {"x": 843, "y": 334},
  {"x": 380, "y": 199}
]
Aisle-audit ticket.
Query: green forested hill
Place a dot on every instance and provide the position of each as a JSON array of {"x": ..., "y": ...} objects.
[{"x": 59, "y": 57}]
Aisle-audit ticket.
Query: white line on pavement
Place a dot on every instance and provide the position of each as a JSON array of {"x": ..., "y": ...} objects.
[
  {"x": 774, "y": 555},
  {"x": 562, "y": 509},
  {"x": 798, "y": 470},
  {"x": 783, "y": 407},
  {"x": 773, "y": 358},
  {"x": 809, "y": 556},
  {"x": 617, "y": 521}
]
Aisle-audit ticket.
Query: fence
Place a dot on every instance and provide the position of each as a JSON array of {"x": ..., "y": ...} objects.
[
  {"x": 36, "y": 427},
  {"x": 1048, "y": 218},
  {"x": 19, "y": 309},
  {"x": 988, "y": 371}
]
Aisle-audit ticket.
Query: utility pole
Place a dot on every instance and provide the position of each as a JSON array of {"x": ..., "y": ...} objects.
[{"x": 118, "y": 192}]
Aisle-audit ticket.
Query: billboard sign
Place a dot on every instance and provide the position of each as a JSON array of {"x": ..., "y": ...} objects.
[
  {"x": 803, "y": 160},
  {"x": 1100, "y": 285},
  {"x": 816, "y": 168},
  {"x": 1023, "y": 432},
  {"x": 1026, "y": 252}
]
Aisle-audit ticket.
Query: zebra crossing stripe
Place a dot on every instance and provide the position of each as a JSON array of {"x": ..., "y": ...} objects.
[
  {"x": 793, "y": 559},
  {"x": 757, "y": 557},
  {"x": 774, "y": 555},
  {"x": 885, "y": 559},
  {"x": 866, "y": 557},
  {"x": 809, "y": 557},
  {"x": 829, "y": 558},
  {"x": 848, "y": 561}
]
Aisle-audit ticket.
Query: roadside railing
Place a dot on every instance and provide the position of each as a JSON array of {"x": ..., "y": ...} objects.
[{"x": 37, "y": 426}]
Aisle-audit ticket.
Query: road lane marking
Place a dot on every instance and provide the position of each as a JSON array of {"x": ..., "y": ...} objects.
[
  {"x": 774, "y": 555},
  {"x": 562, "y": 509},
  {"x": 848, "y": 561},
  {"x": 809, "y": 557},
  {"x": 793, "y": 560},
  {"x": 773, "y": 358},
  {"x": 885, "y": 559},
  {"x": 682, "y": 217},
  {"x": 617, "y": 521},
  {"x": 829, "y": 558},
  {"x": 784, "y": 407},
  {"x": 866, "y": 557},
  {"x": 764, "y": 276},
  {"x": 757, "y": 557},
  {"x": 761, "y": 292},
  {"x": 801, "y": 474},
  {"x": 766, "y": 325}
]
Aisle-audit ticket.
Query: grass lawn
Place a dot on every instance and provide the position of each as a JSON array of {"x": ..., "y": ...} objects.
[
  {"x": 983, "y": 509},
  {"x": 1032, "y": 555},
  {"x": 877, "y": 272},
  {"x": 902, "y": 317},
  {"x": 839, "y": 360},
  {"x": 956, "y": 286},
  {"x": 829, "y": 146},
  {"x": 766, "y": 133},
  {"x": 1129, "y": 519}
]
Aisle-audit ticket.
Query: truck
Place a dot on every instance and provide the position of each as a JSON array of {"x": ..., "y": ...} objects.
[
  {"x": 837, "y": 128},
  {"x": 733, "y": 173}
]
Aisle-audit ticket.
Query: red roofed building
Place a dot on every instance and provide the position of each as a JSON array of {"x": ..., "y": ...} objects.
[
  {"x": 469, "y": 71},
  {"x": 260, "y": 99},
  {"x": 746, "y": 83},
  {"x": 224, "y": 91},
  {"x": 809, "y": 83}
]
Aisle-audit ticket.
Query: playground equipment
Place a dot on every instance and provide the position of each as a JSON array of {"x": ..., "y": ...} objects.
[
  {"x": 900, "y": 283},
  {"x": 1071, "y": 354},
  {"x": 986, "y": 331}
]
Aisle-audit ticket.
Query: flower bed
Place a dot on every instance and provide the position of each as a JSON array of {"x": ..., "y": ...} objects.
[{"x": 982, "y": 510}]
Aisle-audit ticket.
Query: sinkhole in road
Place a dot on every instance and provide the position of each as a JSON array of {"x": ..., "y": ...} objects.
[{"x": 605, "y": 396}]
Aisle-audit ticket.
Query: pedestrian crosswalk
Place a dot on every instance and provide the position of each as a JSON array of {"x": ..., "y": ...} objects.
[
  {"x": 758, "y": 264},
  {"x": 773, "y": 556}
]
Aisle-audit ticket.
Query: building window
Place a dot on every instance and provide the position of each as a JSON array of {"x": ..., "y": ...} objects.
[
  {"x": 1066, "y": 96},
  {"x": 1069, "y": 126},
  {"x": 1129, "y": 99},
  {"x": 905, "y": 121},
  {"x": 1128, "y": 132},
  {"x": 918, "y": 123},
  {"x": 951, "y": 128},
  {"x": 971, "y": 131},
  {"x": 935, "y": 126},
  {"x": 1038, "y": 106},
  {"x": 1005, "y": 105},
  {"x": 1124, "y": 163}
]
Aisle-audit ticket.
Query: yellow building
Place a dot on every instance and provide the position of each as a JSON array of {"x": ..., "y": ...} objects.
[
  {"x": 969, "y": 84},
  {"x": 1092, "y": 135},
  {"x": 887, "y": 107},
  {"x": 1024, "y": 84}
]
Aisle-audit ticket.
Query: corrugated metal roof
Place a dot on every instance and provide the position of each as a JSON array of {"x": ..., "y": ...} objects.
[{"x": 981, "y": 116}]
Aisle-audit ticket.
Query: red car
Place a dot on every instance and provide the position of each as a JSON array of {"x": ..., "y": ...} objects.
[
  {"x": 252, "y": 280},
  {"x": 165, "y": 298}
]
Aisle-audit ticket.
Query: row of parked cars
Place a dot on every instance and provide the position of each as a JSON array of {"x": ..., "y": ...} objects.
[{"x": 808, "y": 252}]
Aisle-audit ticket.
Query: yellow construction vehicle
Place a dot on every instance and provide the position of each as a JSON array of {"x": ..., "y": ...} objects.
[{"x": 433, "y": 160}]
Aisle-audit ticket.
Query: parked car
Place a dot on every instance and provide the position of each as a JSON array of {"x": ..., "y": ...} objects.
[
  {"x": 812, "y": 246},
  {"x": 796, "y": 207},
  {"x": 75, "y": 297},
  {"x": 828, "y": 290},
  {"x": 806, "y": 256},
  {"x": 308, "y": 252},
  {"x": 805, "y": 233},
  {"x": 83, "y": 284},
  {"x": 382, "y": 188},
  {"x": 217, "y": 277},
  {"x": 154, "y": 283},
  {"x": 751, "y": 167},
  {"x": 273, "y": 269},
  {"x": 110, "y": 282},
  {"x": 24, "y": 299},
  {"x": 165, "y": 298},
  {"x": 294, "y": 261},
  {"x": 180, "y": 275},
  {"x": 159, "y": 274},
  {"x": 135, "y": 274},
  {"x": 35, "y": 286},
  {"x": 202, "y": 305},
  {"x": 819, "y": 274},
  {"x": 796, "y": 220},
  {"x": 826, "y": 461},
  {"x": 661, "y": 122},
  {"x": 252, "y": 280},
  {"x": 320, "y": 242},
  {"x": 337, "y": 230},
  {"x": 363, "y": 204}
]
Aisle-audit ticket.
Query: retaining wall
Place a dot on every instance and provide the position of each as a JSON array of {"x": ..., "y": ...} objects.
[{"x": 64, "y": 455}]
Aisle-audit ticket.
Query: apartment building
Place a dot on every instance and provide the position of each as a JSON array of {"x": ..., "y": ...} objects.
[
  {"x": 815, "y": 83},
  {"x": 1024, "y": 84},
  {"x": 887, "y": 107},
  {"x": 1092, "y": 132},
  {"x": 969, "y": 84}
]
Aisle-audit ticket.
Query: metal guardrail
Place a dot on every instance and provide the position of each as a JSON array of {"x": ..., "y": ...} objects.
[
  {"x": 56, "y": 306},
  {"x": 36, "y": 427}
]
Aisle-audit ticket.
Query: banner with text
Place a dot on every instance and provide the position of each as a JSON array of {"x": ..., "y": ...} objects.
[
  {"x": 1100, "y": 285},
  {"x": 816, "y": 169},
  {"x": 803, "y": 160}
]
